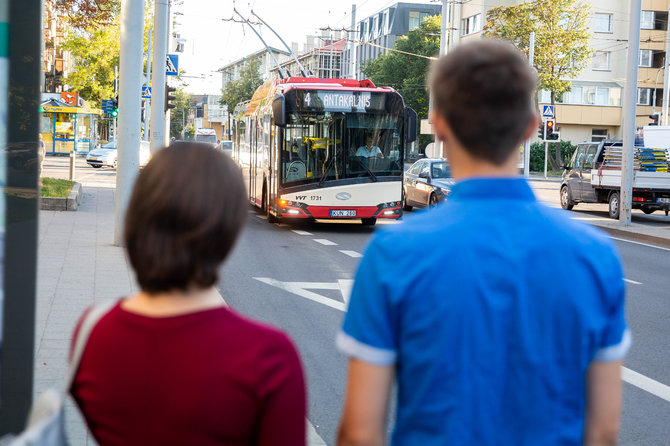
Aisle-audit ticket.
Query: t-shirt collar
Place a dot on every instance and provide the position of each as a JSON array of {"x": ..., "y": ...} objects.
[{"x": 515, "y": 188}]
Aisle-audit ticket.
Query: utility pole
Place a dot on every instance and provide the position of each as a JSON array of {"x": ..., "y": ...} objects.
[
  {"x": 629, "y": 102},
  {"x": 160, "y": 31},
  {"x": 446, "y": 9},
  {"x": 455, "y": 24},
  {"x": 168, "y": 40},
  {"x": 116, "y": 93},
  {"x": 666, "y": 76},
  {"x": 331, "y": 55},
  {"x": 352, "y": 61},
  {"x": 147, "y": 82},
  {"x": 526, "y": 144},
  {"x": 132, "y": 38}
]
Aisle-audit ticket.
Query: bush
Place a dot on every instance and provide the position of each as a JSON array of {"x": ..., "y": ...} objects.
[{"x": 537, "y": 154}]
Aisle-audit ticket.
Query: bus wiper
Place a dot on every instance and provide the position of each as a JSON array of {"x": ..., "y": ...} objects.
[
  {"x": 372, "y": 175},
  {"x": 325, "y": 174}
]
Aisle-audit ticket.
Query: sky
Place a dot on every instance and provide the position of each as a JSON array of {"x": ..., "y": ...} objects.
[{"x": 212, "y": 42}]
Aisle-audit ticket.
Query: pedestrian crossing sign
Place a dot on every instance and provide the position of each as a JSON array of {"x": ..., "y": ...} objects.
[{"x": 547, "y": 111}]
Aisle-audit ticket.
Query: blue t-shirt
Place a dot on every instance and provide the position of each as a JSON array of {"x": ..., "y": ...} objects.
[{"x": 490, "y": 307}]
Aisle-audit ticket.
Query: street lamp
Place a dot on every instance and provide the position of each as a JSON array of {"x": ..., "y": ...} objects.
[{"x": 653, "y": 105}]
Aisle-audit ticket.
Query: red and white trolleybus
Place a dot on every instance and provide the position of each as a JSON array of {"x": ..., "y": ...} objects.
[{"x": 314, "y": 148}]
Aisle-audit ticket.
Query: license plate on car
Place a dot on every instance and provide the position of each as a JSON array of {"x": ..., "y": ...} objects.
[
  {"x": 663, "y": 200},
  {"x": 343, "y": 213},
  {"x": 93, "y": 159}
]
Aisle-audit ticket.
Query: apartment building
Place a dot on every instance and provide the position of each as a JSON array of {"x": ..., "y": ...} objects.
[
  {"x": 233, "y": 70},
  {"x": 592, "y": 110},
  {"x": 323, "y": 61},
  {"x": 56, "y": 63},
  {"x": 380, "y": 30}
]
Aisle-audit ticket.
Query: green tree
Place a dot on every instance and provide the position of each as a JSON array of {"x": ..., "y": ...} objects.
[
  {"x": 561, "y": 41},
  {"x": 407, "y": 73},
  {"x": 86, "y": 14},
  {"x": 94, "y": 53},
  {"x": 242, "y": 89},
  {"x": 179, "y": 114}
]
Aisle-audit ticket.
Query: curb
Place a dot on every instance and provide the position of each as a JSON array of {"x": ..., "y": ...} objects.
[
  {"x": 71, "y": 203},
  {"x": 661, "y": 241}
]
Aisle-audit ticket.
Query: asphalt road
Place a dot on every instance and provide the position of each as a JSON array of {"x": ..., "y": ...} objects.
[
  {"x": 297, "y": 277},
  {"x": 275, "y": 270}
]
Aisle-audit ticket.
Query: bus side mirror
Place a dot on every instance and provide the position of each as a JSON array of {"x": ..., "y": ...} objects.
[
  {"x": 410, "y": 120},
  {"x": 279, "y": 110}
]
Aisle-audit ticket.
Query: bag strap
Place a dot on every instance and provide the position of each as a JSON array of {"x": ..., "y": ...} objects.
[{"x": 89, "y": 321}]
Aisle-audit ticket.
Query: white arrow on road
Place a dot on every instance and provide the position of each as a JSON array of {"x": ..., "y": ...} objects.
[{"x": 302, "y": 289}]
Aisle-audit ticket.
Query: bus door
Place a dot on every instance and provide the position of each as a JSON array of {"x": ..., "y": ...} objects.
[{"x": 253, "y": 155}]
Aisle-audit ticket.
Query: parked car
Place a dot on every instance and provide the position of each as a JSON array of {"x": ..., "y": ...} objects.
[
  {"x": 426, "y": 183},
  {"x": 226, "y": 146},
  {"x": 106, "y": 155}
]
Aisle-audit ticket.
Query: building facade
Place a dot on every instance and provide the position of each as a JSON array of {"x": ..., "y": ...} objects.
[
  {"x": 323, "y": 61},
  {"x": 56, "y": 63},
  {"x": 592, "y": 109},
  {"x": 233, "y": 70},
  {"x": 379, "y": 31}
]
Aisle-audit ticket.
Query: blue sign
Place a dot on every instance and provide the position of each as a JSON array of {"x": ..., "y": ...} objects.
[
  {"x": 107, "y": 105},
  {"x": 146, "y": 92},
  {"x": 172, "y": 65},
  {"x": 547, "y": 111}
]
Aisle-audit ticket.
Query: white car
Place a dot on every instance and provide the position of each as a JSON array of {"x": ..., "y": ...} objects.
[{"x": 106, "y": 155}]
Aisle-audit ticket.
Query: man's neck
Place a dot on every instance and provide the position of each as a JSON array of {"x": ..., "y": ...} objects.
[{"x": 465, "y": 166}]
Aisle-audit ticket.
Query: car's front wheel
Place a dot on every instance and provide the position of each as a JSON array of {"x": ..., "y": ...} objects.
[
  {"x": 432, "y": 201},
  {"x": 566, "y": 203}
]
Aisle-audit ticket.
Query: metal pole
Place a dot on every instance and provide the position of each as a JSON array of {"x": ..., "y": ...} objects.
[
  {"x": 331, "y": 55},
  {"x": 147, "y": 80},
  {"x": 546, "y": 155},
  {"x": 352, "y": 59},
  {"x": 455, "y": 24},
  {"x": 630, "y": 90},
  {"x": 160, "y": 30},
  {"x": 116, "y": 92},
  {"x": 128, "y": 147},
  {"x": 168, "y": 40},
  {"x": 439, "y": 148},
  {"x": 526, "y": 144},
  {"x": 653, "y": 102},
  {"x": 666, "y": 77}
]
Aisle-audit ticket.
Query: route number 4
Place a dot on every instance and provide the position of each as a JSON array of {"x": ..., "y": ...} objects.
[{"x": 308, "y": 99}]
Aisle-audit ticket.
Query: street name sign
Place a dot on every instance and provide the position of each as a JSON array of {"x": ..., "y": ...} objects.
[
  {"x": 107, "y": 105},
  {"x": 171, "y": 65},
  {"x": 547, "y": 111}
]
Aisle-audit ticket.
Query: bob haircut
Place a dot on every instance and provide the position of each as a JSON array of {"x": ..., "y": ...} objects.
[{"x": 185, "y": 213}]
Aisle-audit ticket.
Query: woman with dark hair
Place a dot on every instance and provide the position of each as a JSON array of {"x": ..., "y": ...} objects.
[{"x": 172, "y": 364}]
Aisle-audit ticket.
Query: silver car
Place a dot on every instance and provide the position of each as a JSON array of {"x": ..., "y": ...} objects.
[{"x": 106, "y": 155}]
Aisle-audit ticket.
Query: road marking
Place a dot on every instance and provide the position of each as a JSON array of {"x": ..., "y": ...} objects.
[
  {"x": 299, "y": 232},
  {"x": 640, "y": 243},
  {"x": 313, "y": 438},
  {"x": 632, "y": 281},
  {"x": 260, "y": 216},
  {"x": 302, "y": 289},
  {"x": 324, "y": 241},
  {"x": 647, "y": 384},
  {"x": 353, "y": 254}
]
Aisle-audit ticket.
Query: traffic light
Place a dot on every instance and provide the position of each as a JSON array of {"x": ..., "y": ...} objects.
[
  {"x": 550, "y": 131},
  {"x": 540, "y": 131},
  {"x": 654, "y": 118},
  {"x": 169, "y": 97},
  {"x": 115, "y": 107}
]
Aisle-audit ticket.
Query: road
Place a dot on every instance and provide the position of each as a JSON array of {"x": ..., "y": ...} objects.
[{"x": 298, "y": 277}]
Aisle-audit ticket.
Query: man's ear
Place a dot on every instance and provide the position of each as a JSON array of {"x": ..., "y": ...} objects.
[{"x": 439, "y": 126}]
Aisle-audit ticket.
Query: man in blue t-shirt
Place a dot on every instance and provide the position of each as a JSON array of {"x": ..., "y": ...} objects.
[{"x": 500, "y": 319}]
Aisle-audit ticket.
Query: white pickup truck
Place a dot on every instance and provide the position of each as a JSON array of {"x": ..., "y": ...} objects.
[{"x": 594, "y": 174}]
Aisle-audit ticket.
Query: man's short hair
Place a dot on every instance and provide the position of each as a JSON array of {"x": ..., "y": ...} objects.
[
  {"x": 484, "y": 91},
  {"x": 186, "y": 210}
]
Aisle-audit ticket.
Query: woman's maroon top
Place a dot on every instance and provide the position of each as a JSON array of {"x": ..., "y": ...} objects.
[{"x": 205, "y": 378}]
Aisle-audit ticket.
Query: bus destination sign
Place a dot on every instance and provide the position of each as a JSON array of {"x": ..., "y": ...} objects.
[{"x": 340, "y": 101}]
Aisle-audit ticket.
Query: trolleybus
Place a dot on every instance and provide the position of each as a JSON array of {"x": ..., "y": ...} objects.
[{"x": 323, "y": 149}]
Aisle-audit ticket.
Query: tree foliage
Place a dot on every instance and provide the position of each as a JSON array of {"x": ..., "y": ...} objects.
[
  {"x": 407, "y": 73},
  {"x": 242, "y": 89},
  {"x": 561, "y": 41},
  {"x": 179, "y": 114},
  {"x": 85, "y": 14},
  {"x": 94, "y": 56}
]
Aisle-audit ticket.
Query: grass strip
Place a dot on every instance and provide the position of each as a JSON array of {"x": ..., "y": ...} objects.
[{"x": 55, "y": 187}]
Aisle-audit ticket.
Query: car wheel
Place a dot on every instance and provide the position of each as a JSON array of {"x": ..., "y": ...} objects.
[
  {"x": 614, "y": 204},
  {"x": 368, "y": 221},
  {"x": 432, "y": 201},
  {"x": 405, "y": 206},
  {"x": 566, "y": 202},
  {"x": 647, "y": 210},
  {"x": 96, "y": 166}
]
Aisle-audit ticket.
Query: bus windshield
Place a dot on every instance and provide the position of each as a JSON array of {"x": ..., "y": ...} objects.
[
  {"x": 317, "y": 147},
  {"x": 211, "y": 139}
]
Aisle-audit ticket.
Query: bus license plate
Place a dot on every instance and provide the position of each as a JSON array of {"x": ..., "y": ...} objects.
[
  {"x": 343, "y": 213},
  {"x": 663, "y": 200}
]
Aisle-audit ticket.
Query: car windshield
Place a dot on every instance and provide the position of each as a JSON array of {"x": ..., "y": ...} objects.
[
  {"x": 109, "y": 145},
  {"x": 206, "y": 138},
  {"x": 440, "y": 170}
]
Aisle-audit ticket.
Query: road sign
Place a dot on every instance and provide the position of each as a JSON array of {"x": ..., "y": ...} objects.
[
  {"x": 107, "y": 105},
  {"x": 547, "y": 111},
  {"x": 146, "y": 92},
  {"x": 171, "y": 65}
]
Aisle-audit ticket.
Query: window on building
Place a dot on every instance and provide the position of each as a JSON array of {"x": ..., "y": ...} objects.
[
  {"x": 414, "y": 20},
  {"x": 646, "y": 58},
  {"x": 643, "y": 96},
  {"x": 657, "y": 20},
  {"x": 601, "y": 61},
  {"x": 424, "y": 15},
  {"x": 586, "y": 95},
  {"x": 375, "y": 27},
  {"x": 385, "y": 23},
  {"x": 598, "y": 135},
  {"x": 647, "y": 20},
  {"x": 472, "y": 24},
  {"x": 602, "y": 23}
]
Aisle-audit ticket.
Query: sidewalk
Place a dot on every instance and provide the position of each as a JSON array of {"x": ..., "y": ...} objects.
[{"x": 78, "y": 265}]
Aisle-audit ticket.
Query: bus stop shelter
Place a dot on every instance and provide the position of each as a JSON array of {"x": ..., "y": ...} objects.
[{"x": 66, "y": 128}]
